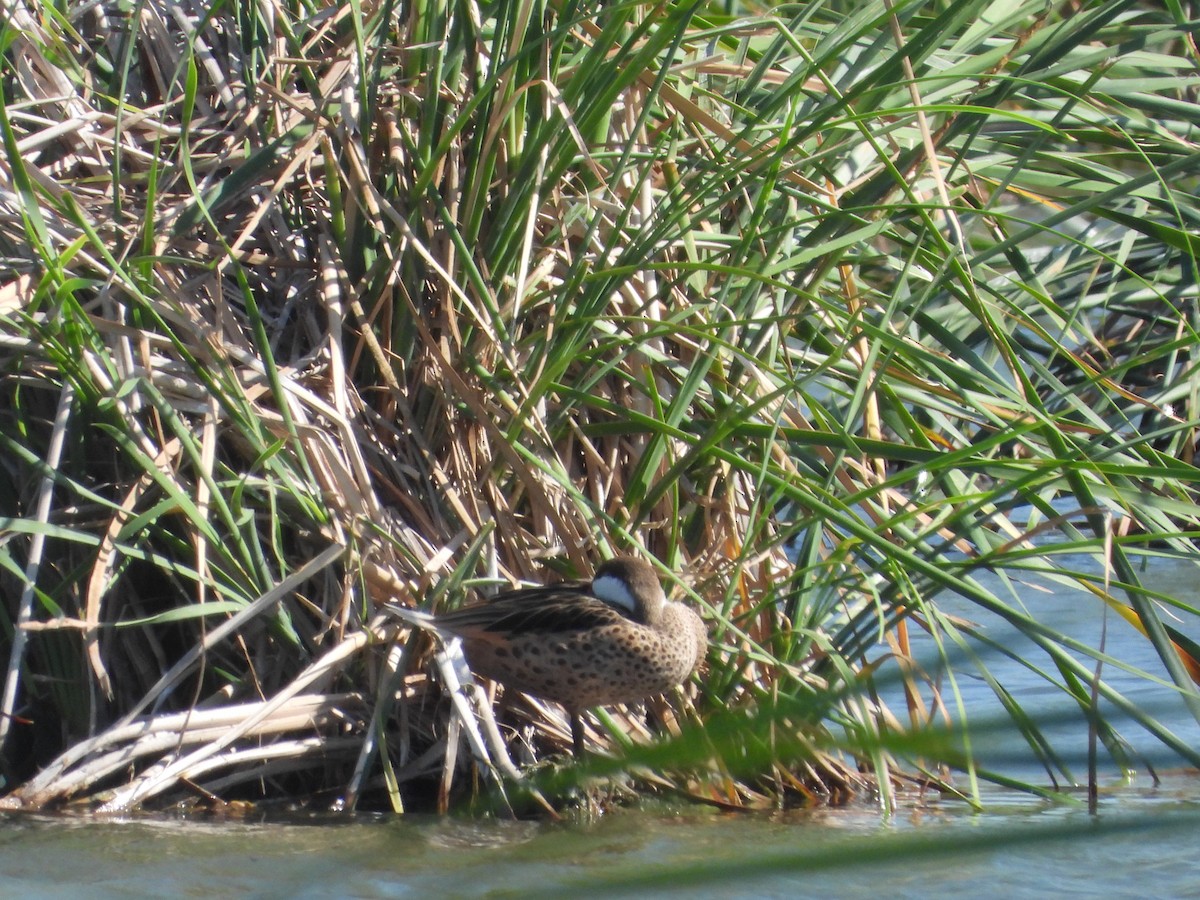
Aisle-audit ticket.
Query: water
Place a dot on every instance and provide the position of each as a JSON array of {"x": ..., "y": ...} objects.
[
  {"x": 1143, "y": 841},
  {"x": 1082, "y": 616}
]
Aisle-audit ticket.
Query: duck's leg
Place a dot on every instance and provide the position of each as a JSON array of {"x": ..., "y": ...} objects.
[{"x": 577, "y": 733}]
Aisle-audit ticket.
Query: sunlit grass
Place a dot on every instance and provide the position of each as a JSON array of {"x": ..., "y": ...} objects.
[{"x": 393, "y": 303}]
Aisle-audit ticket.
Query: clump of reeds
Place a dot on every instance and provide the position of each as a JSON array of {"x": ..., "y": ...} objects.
[{"x": 314, "y": 308}]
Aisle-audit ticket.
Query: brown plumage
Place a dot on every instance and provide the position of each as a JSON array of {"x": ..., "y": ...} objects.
[{"x": 616, "y": 639}]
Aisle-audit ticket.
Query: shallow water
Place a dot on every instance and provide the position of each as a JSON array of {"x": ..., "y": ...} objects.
[
  {"x": 1082, "y": 616},
  {"x": 1143, "y": 842}
]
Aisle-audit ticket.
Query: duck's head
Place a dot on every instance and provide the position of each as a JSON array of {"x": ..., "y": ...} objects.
[{"x": 632, "y": 586}]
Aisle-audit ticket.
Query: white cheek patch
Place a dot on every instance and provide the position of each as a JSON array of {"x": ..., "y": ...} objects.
[{"x": 615, "y": 591}]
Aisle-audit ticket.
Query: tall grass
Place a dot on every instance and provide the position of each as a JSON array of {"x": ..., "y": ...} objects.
[{"x": 309, "y": 308}]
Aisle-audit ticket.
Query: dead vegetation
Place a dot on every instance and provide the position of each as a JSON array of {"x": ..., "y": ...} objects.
[{"x": 325, "y": 307}]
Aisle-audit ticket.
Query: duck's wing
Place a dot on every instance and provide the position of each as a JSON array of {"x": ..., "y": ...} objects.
[{"x": 555, "y": 609}]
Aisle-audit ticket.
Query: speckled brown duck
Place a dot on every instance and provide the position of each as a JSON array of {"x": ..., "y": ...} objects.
[{"x": 615, "y": 639}]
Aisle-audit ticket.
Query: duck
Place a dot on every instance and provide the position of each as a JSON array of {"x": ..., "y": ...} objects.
[{"x": 614, "y": 639}]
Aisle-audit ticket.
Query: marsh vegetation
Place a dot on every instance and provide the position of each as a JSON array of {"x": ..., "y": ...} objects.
[{"x": 306, "y": 308}]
